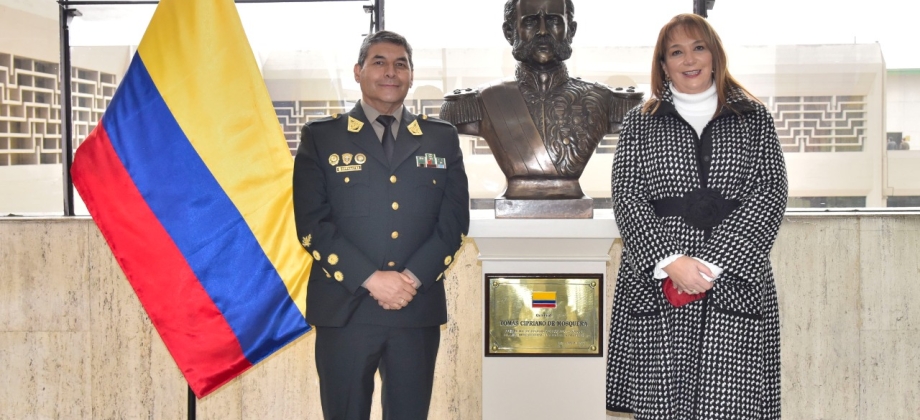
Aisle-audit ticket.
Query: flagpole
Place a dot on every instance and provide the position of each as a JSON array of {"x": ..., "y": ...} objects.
[
  {"x": 191, "y": 403},
  {"x": 66, "y": 17}
]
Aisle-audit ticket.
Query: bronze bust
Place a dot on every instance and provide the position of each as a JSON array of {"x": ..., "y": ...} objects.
[{"x": 543, "y": 125}]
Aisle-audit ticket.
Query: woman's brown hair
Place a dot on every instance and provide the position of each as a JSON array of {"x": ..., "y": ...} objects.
[{"x": 697, "y": 26}]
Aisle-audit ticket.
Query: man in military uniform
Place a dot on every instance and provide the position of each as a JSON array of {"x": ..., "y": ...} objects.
[
  {"x": 544, "y": 125},
  {"x": 381, "y": 202}
]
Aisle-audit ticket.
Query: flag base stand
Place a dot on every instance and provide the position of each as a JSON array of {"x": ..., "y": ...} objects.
[{"x": 545, "y": 386}]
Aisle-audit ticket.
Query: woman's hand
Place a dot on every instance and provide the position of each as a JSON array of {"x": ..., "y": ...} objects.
[{"x": 687, "y": 275}]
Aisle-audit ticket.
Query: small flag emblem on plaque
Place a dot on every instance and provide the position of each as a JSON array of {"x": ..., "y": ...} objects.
[{"x": 544, "y": 300}]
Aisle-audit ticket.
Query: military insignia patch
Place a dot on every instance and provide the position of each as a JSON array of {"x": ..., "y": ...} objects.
[
  {"x": 334, "y": 159},
  {"x": 430, "y": 160},
  {"x": 415, "y": 129},
  {"x": 306, "y": 240},
  {"x": 360, "y": 158},
  {"x": 346, "y": 158},
  {"x": 354, "y": 125}
]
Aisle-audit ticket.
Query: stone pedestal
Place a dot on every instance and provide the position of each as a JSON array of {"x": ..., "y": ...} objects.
[{"x": 545, "y": 387}]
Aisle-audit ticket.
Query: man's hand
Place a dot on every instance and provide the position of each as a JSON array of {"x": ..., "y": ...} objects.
[
  {"x": 687, "y": 275},
  {"x": 392, "y": 289}
]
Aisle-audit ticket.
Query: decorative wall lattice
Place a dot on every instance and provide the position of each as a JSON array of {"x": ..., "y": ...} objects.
[
  {"x": 30, "y": 108},
  {"x": 30, "y": 115},
  {"x": 820, "y": 123}
]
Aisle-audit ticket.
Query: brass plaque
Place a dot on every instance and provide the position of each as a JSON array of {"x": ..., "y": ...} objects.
[{"x": 545, "y": 315}]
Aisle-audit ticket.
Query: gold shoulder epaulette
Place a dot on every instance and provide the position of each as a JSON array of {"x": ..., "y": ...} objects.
[
  {"x": 426, "y": 118},
  {"x": 332, "y": 117}
]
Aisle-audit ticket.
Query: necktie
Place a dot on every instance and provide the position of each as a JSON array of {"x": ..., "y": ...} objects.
[{"x": 389, "y": 141}]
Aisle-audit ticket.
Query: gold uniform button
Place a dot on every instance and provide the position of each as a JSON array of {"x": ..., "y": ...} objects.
[
  {"x": 339, "y": 276},
  {"x": 347, "y": 179},
  {"x": 395, "y": 206},
  {"x": 316, "y": 256},
  {"x": 391, "y": 264},
  {"x": 333, "y": 259},
  {"x": 392, "y": 179},
  {"x": 434, "y": 181},
  {"x": 448, "y": 259},
  {"x": 394, "y": 235}
]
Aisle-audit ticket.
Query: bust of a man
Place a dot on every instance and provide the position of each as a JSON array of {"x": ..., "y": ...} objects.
[{"x": 543, "y": 125}]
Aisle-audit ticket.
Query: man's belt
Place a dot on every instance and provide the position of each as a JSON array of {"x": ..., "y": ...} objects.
[{"x": 702, "y": 208}]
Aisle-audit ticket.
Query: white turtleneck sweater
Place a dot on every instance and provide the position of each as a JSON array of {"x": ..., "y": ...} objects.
[{"x": 696, "y": 108}]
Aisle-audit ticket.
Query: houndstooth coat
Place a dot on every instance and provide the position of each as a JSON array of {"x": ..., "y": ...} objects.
[{"x": 718, "y": 357}]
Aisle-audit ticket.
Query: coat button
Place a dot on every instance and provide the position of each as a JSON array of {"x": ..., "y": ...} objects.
[
  {"x": 394, "y": 235},
  {"x": 347, "y": 179},
  {"x": 447, "y": 260},
  {"x": 392, "y": 179},
  {"x": 391, "y": 264},
  {"x": 339, "y": 276},
  {"x": 395, "y": 206},
  {"x": 434, "y": 181}
]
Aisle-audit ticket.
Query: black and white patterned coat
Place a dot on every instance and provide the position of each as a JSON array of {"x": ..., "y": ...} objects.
[{"x": 718, "y": 357}]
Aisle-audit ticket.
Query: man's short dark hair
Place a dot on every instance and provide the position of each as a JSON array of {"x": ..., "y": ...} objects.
[
  {"x": 384, "y": 36},
  {"x": 510, "y": 8}
]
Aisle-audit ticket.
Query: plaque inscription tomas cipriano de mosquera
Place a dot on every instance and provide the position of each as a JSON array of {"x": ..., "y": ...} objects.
[{"x": 543, "y": 315}]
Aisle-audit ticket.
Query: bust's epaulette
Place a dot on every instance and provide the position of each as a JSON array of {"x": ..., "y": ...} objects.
[
  {"x": 626, "y": 92},
  {"x": 426, "y": 118},
  {"x": 332, "y": 117},
  {"x": 624, "y": 99},
  {"x": 461, "y": 107}
]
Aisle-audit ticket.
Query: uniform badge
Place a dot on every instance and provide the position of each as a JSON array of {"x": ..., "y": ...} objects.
[
  {"x": 347, "y": 168},
  {"x": 415, "y": 129},
  {"x": 354, "y": 125},
  {"x": 346, "y": 158},
  {"x": 430, "y": 160},
  {"x": 360, "y": 158},
  {"x": 334, "y": 159},
  {"x": 306, "y": 240}
]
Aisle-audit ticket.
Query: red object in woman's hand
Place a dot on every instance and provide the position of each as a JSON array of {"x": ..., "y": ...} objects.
[{"x": 678, "y": 299}]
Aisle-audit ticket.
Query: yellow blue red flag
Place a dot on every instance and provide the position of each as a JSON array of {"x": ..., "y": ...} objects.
[{"x": 188, "y": 177}]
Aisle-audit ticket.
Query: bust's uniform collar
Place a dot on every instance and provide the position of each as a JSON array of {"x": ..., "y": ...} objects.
[{"x": 541, "y": 81}]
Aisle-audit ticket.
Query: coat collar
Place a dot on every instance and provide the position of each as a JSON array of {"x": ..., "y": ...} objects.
[{"x": 737, "y": 102}]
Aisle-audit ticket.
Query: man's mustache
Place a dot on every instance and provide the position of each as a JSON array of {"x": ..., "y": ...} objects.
[{"x": 523, "y": 49}]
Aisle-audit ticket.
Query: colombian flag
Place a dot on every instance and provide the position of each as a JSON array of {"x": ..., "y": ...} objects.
[
  {"x": 543, "y": 300},
  {"x": 188, "y": 177}
]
